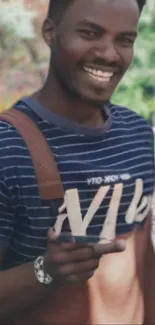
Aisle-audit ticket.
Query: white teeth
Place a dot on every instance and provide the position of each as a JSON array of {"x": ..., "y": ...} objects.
[{"x": 99, "y": 74}]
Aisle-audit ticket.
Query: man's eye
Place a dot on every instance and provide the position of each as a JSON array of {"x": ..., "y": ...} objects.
[
  {"x": 127, "y": 41},
  {"x": 88, "y": 33}
]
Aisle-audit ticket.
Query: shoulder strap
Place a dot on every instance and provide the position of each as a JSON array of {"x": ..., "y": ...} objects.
[{"x": 46, "y": 170}]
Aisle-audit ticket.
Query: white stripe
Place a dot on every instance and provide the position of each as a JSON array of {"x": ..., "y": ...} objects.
[
  {"x": 125, "y": 129},
  {"x": 3, "y": 195},
  {"x": 4, "y": 236},
  {"x": 121, "y": 110},
  {"x": 14, "y": 147},
  {"x": 5, "y": 168},
  {"x": 6, "y": 227},
  {"x": 6, "y": 220},
  {"x": 36, "y": 218},
  {"x": 124, "y": 161},
  {"x": 26, "y": 245},
  {"x": 30, "y": 186},
  {"x": 35, "y": 208},
  {"x": 21, "y": 177},
  {"x": 86, "y": 162},
  {"x": 10, "y": 139},
  {"x": 106, "y": 149},
  {"x": 65, "y": 136},
  {"x": 117, "y": 121},
  {"x": 16, "y": 157},
  {"x": 22, "y": 254},
  {"x": 99, "y": 142},
  {"x": 142, "y": 173},
  {"x": 34, "y": 227},
  {"x": 33, "y": 237},
  {"x": 103, "y": 170}
]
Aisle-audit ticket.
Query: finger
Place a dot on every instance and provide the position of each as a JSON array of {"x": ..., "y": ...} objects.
[
  {"x": 78, "y": 268},
  {"x": 108, "y": 248},
  {"x": 73, "y": 256},
  {"x": 55, "y": 239},
  {"x": 74, "y": 246}
]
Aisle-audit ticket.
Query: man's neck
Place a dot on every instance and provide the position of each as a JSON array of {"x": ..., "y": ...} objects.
[{"x": 57, "y": 101}]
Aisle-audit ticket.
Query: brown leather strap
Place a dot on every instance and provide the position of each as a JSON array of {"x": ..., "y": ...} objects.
[{"x": 46, "y": 170}]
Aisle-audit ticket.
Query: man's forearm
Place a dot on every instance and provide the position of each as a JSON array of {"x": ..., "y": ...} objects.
[{"x": 19, "y": 290}]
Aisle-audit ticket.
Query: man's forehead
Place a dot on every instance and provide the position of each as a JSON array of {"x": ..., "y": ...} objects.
[
  {"x": 90, "y": 4},
  {"x": 103, "y": 12}
]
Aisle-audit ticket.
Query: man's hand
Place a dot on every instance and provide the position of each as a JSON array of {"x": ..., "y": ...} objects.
[{"x": 73, "y": 262}]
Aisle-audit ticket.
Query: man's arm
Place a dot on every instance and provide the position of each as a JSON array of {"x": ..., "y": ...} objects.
[{"x": 19, "y": 288}]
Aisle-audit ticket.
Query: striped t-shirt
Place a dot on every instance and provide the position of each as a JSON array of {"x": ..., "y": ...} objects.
[{"x": 107, "y": 174}]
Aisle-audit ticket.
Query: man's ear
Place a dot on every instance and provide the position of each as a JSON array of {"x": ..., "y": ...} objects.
[{"x": 48, "y": 31}]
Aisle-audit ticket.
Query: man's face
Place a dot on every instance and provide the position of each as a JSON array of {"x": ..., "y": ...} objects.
[{"x": 93, "y": 46}]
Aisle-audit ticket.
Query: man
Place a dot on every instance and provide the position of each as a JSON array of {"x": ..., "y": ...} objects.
[{"x": 104, "y": 154}]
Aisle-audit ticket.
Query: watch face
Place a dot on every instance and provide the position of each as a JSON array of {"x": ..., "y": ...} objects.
[{"x": 41, "y": 276}]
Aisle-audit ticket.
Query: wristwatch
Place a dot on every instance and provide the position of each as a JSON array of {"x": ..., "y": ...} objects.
[{"x": 39, "y": 271}]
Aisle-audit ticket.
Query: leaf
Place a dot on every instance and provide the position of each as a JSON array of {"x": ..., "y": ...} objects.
[{"x": 15, "y": 18}]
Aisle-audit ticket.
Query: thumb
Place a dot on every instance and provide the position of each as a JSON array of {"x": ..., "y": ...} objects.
[{"x": 115, "y": 246}]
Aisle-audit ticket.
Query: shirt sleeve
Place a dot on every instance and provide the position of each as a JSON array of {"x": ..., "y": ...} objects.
[{"x": 7, "y": 218}]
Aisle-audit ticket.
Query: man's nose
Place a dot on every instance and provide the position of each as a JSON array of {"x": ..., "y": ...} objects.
[{"x": 107, "y": 52}]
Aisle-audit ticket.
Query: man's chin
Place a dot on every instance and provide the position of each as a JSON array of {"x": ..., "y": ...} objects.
[
  {"x": 92, "y": 97},
  {"x": 96, "y": 100}
]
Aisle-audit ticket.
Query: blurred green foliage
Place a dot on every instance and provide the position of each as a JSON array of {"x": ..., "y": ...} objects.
[{"x": 137, "y": 89}]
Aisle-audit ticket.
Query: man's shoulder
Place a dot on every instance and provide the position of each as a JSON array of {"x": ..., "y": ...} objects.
[
  {"x": 9, "y": 135},
  {"x": 14, "y": 152},
  {"x": 130, "y": 117},
  {"x": 6, "y": 129}
]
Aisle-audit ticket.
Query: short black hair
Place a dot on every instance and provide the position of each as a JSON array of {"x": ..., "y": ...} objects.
[
  {"x": 58, "y": 7},
  {"x": 141, "y": 4}
]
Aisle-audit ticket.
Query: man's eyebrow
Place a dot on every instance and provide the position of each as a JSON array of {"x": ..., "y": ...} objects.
[
  {"x": 89, "y": 23},
  {"x": 129, "y": 33}
]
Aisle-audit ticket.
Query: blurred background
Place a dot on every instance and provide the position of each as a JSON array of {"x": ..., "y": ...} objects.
[{"x": 24, "y": 57}]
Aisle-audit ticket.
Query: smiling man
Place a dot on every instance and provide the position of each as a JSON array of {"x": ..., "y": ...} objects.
[{"x": 104, "y": 154}]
